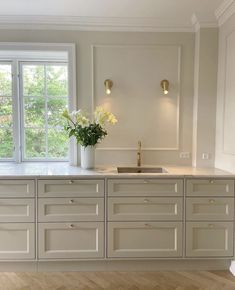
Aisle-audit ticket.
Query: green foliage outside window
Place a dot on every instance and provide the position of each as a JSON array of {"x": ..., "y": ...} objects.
[{"x": 45, "y": 95}]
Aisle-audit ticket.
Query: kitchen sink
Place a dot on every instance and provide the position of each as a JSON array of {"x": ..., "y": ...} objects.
[{"x": 141, "y": 170}]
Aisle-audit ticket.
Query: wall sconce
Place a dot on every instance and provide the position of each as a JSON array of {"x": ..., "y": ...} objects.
[
  {"x": 108, "y": 86},
  {"x": 165, "y": 86}
]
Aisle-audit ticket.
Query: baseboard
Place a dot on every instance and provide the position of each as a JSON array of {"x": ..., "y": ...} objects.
[{"x": 120, "y": 265}]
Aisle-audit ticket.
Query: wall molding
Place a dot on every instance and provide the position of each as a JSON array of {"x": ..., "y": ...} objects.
[
  {"x": 224, "y": 93},
  {"x": 225, "y": 11},
  {"x": 177, "y": 147},
  {"x": 198, "y": 24},
  {"x": 52, "y": 22}
]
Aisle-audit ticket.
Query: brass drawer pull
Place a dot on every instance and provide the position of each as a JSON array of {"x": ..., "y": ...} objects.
[
  {"x": 148, "y": 225},
  {"x": 212, "y": 201},
  {"x": 146, "y": 200},
  {"x": 211, "y": 226},
  {"x": 71, "y": 201},
  {"x": 71, "y": 181},
  {"x": 71, "y": 226},
  {"x": 212, "y": 181}
]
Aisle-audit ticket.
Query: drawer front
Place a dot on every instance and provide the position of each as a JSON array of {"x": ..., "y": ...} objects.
[
  {"x": 144, "y": 240},
  {"x": 17, "y": 210},
  {"x": 140, "y": 208},
  {"x": 210, "y": 187},
  {"x": 210, "y": 209},
  {"x": 71, "y": 241},
  {"x": 67, "y": 209},
  {"x": 71, "y": 188},
  {"x": 145, "y": 187},
  {"x": 17, "y": 188},
  {"x": 17, "y": 241},
  {"x": 209, "y": 239}
]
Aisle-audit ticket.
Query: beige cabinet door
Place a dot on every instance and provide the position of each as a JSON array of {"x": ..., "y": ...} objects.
[
  {"x": 17, "y": 188},
  {"x": 71, "y": 241},
  {"x": 144, "y": 240},
  {"x": 144, "y": 208},
  {"x": 70, "y": 209},
  {"x": 209, "y": 239},
  {"x": 209, "y": 187},
  {"x": 17, "y": 241},
  {"x": 71, "y": 188},
  {"x": 17, "y": 210},
  {"x": 145, "y": 187},
  {"x": 204, "y": 209}
]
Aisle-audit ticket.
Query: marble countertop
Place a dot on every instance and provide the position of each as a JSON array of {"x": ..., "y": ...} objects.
[{"x": 58, "y": 169}]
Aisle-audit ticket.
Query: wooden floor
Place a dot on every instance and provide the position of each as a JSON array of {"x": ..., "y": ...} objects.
[{"x": 213, "y": 280}]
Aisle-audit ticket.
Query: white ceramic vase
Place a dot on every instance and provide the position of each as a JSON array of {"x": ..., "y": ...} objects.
[{"x": 87, "y": 157}]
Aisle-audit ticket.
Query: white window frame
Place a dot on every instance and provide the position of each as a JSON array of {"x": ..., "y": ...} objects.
[{"x": 72, "y": 102}]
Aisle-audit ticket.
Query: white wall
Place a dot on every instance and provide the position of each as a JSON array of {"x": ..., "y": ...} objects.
[
  {"x": 225, "y": 123},
  {"x": 151, "y": 57}
]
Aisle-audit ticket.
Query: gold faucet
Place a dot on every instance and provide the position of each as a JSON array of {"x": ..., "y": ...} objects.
[{"x": 139, "y": 154}]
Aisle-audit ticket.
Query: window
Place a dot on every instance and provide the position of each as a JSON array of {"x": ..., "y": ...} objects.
[{"x": 34, "y": 91}]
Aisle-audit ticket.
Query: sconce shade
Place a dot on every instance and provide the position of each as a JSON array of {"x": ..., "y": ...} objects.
[
  {"x": 108, "y": 86},
  {"x": 165, "y": 86}
]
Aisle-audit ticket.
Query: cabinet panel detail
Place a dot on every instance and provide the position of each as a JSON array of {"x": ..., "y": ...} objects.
[
  {"x": 71, "y": 241},
  {"x": 17, "y": 210},
  {"x": 17, "y": 188},
  {"x": 145, "y": 187},
  {"x": 210, "y": 187},
  {"x": 71, "y": 188},
  {"x": 209, "y": 239},
  {"x": 70, "y": 209},
  {"x": 144, "y": 208},
  {"x": 17, "y": 241},
  {"x": 142, "y": 240},
  {"x": 210, "y": 209}
]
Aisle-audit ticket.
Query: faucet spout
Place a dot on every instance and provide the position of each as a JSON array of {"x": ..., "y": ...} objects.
[{"x": 139, "y": 154}]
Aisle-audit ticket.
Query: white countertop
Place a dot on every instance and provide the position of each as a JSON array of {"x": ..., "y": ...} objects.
[{"x": 57, "y": 169}]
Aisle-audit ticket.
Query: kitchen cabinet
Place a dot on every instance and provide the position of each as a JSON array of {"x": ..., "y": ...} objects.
[{"x": 209, "y": 217}]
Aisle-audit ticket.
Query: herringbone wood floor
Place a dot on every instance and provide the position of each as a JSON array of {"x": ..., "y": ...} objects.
[{"x": 213, "y": 280}]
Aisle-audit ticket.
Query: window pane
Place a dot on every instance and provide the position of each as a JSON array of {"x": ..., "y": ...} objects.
[
  {"x": 5, "y": 80},
  {"x": 35, "y": 143},
  {"x": 5, "y": 112},
  {"x": 6, "y": 143},
  {"x": 58, "y": 144},
  {"x": 33, "y": 80},
  {"x": 34, "y": 112},
  {"x": 56, "y": 106},
  {"x": 57, "y": 80}
]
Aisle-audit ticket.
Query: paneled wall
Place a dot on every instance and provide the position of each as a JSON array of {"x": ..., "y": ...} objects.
[
  {"x": 136, "y": 62},
  {"x": 225, "y": 138}
]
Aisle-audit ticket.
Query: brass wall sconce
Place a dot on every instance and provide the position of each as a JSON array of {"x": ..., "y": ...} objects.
[
  {"x": 165, "y": 86},
  {"x": 108, "y": 86}
]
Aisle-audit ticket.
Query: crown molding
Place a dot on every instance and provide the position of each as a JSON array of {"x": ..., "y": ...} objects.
[
  {"x": 87, "y": 23},
  {"x": 225, "y": 11},
  {"x": 197, "y": 24}
]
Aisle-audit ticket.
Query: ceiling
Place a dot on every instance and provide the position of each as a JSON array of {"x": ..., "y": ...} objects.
[{"x": 166, "y": 14}]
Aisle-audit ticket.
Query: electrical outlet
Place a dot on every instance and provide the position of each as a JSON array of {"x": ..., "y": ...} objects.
[
  {"x": 205, "y": 156},
  {"x": 184, "y": 155}
]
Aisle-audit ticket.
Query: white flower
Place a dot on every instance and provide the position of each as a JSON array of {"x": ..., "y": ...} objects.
[{"x": 102, "y": 116}]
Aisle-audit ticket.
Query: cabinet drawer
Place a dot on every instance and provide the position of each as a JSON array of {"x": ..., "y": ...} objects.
[
  {"x": 71, "y": 241},
  {"x": 210, "y": 208},
  {"x": 17, "y": 188},
  {"x": 17, "y": 210},
  {"x": 146, "y": 187},
  {"x": 210, "y": 187},
  {"x": 213, "y": 239},
  {"x": 144, "y": 240},
  {"x": 71, "y": 188},
  {"x": 17, "y": 241},
  {"x": 140, "y": 208},
  {"x": 67, "y": 209}
]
